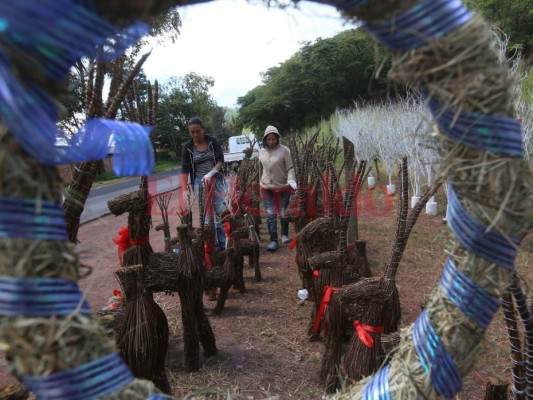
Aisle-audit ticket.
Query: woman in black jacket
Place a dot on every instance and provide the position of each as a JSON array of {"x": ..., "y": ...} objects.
[{"x": 202, "y": 161}]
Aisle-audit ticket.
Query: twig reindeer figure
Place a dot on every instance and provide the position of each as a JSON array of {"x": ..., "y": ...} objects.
[
  {"x": 143, "y": 338},
  {"x": 332, "y": 269},
  {"x": 371, "y": 306}
]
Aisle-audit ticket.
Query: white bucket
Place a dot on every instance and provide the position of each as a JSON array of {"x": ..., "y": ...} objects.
[
  {"x": 391, "y": 189},
  {"x": 431, "y": 208},
  {"x": 414, "y": 201},
  {"x": 371, "y": 182}
]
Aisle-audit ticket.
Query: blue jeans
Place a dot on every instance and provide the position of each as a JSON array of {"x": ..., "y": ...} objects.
[
  {"x": 275, "y": 203},
  {"x": 219, "y": 205}
]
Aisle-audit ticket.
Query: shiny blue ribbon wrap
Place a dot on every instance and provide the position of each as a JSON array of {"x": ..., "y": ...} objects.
[
  {"x": 56, "y": 33},
  {"x": 467, "y": 296},
  {"x": 421, "y": 24},
  {"x": 498, "y": 134},
  {"x": 92, "y": 380},
  {"x": 31, "y": 117},
  {"x": 32, "y": 219},
  {"x": 41, "y": 297},
  {"x": 435, "y": 359},
  {"x": 53, "y": 34},
  {"x": 474, "y": 235},
  {"x": 378, "y": 387}
]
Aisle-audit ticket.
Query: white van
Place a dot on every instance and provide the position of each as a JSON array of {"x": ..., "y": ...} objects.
[{"x": 236, "y": 147}]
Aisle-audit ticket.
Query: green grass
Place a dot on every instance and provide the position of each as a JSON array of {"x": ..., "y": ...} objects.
[
  {"x": 164, "y": 166},
  {"x": 109, "y": 177}
]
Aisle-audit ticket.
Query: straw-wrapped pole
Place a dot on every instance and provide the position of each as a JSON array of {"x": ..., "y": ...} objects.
[
  {"x": 77, "y": 359},
  {"x": 457, "y": 69}
]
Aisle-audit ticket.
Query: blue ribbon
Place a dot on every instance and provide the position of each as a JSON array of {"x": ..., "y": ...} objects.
[
  {"x": 424, "y": 22},
  {"x": 92, "y": 380},
  {"x": 32, "y": 219},
  {"x": 475, "y": 236},
  {"x": 41, "y": 297},
  {"x": 56, "y": 33},
  {"x": 468, "y": 297},
  {"x": 497, "y": 134},
  {"x": 378, "y": 387},
  {"x": 438, "y": 364},
  {"x": 31, "y": 118}
]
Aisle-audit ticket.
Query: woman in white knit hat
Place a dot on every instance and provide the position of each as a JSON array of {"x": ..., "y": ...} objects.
[{"x": 276, "y": 183}]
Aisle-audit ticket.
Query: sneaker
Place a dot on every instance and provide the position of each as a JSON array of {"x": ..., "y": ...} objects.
[
  {"x": 272, "y": 246},
  {"x": 285, "y": 239}
]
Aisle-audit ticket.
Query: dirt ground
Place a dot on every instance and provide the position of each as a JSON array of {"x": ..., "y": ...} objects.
[{"x": 264, "y": 349}]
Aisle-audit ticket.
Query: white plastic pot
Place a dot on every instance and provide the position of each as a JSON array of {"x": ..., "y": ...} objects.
[
  {"x": 391, "y": 189},
  {"x": 371, "y": 182},
  {"x": 303, "y": 294},
  {"x": 414, "y": 201},
  {"x": 431, "y": 208}
]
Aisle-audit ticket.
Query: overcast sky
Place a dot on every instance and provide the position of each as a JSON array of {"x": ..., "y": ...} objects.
[{"x": 232, "y": 41}]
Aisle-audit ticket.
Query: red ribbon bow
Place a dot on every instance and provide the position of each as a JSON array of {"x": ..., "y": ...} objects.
[
  {"x": 293, "y": 243},
  {"x": 326, "y": 298},
  {"x": 227, "y": 228},
  {"x": 208, "y": 248},
  {"x": 116, "y": 301},
  {"x": 122, "y": 241},
  {"x": 362, "y": 332}
]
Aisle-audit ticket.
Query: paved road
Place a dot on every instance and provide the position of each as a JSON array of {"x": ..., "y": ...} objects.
[{"x": 96, "y": 205}]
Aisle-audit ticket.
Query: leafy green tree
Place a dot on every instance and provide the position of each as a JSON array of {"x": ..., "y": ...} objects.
[
  {"x": 319, "y": 78},
  {"x": 513, "y": 17},
  {"x": 180, "y": 99}
]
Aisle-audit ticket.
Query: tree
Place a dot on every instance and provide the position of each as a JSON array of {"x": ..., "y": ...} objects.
[
  {"x": 514, "y": 17},
  {"x": 180, "y": 99},
  {"x": 85, "y": 172},
  {"x": 313, "y": 83}
]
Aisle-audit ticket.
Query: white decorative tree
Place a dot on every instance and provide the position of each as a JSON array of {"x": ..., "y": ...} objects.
[
  {"x": 354, "y": 124},
  {"x": 389, "y": 131}
]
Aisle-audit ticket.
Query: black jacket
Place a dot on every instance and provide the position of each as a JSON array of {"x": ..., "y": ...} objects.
[{"x": 187, "y": 164}]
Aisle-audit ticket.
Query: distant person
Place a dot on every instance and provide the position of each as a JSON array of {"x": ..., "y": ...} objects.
[
  {"x": 276, "y": 183},
  {"x": 202, "y": 161}
]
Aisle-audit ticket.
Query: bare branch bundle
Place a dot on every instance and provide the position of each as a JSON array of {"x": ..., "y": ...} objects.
[
  {"x": 196, "y": 326},
  {"x": 331, "y": 367},
  {"x": 143, "y": 339},
  {"x": 163, "y": 201}
]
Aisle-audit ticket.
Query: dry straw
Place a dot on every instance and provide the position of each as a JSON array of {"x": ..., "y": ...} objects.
[
  {"x": 143, "y": 338},
  {"x": 461, "y": 72},
  {"x": 42, "y": 346}
]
